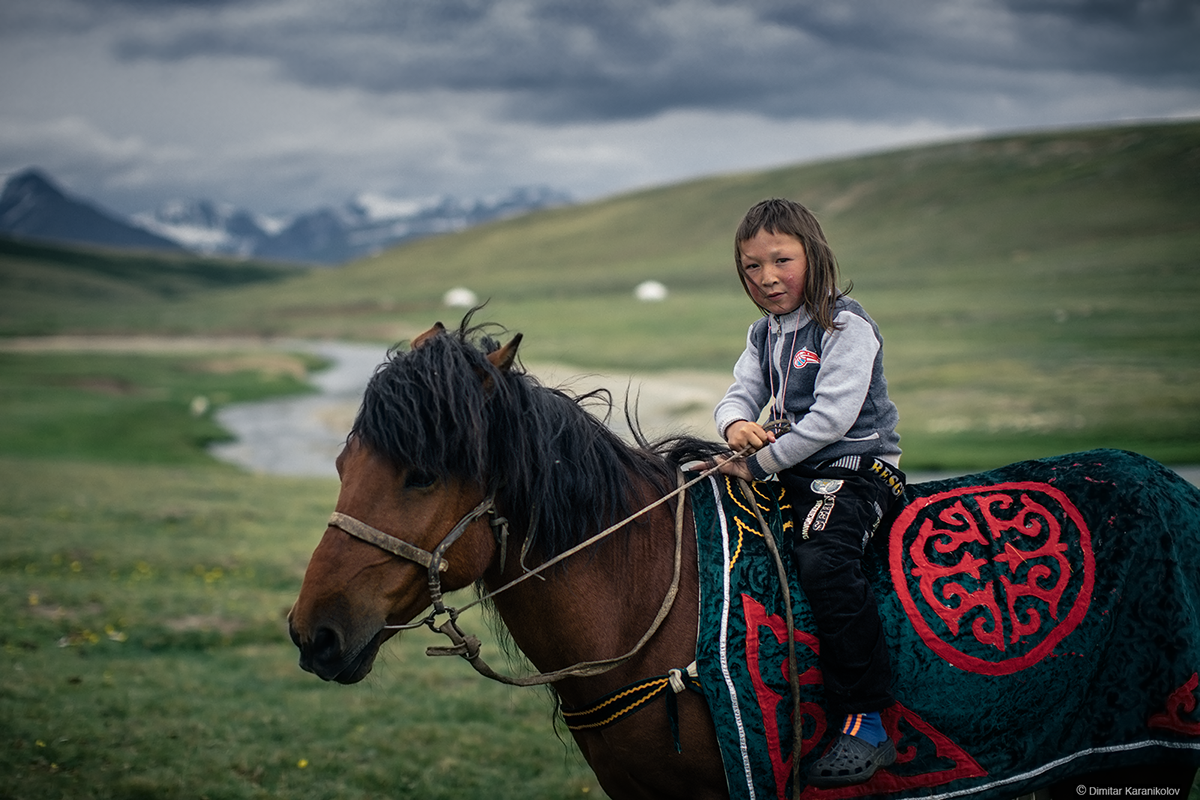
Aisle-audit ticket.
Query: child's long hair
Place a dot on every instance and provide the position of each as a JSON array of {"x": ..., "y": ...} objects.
[{"x": 789, "y": 218}]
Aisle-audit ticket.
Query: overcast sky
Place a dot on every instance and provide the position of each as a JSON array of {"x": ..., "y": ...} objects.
[{"x": 281, "y": 105}]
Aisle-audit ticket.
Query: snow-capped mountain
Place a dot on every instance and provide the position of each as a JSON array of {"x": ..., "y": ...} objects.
[
  {"x": 33, "y": 207},
  {"x": 210, "y": 228},
  {"x": 366, "y": 224}
]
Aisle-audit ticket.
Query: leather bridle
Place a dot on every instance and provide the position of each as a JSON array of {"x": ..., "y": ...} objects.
[{"x": 433, "y": 561}]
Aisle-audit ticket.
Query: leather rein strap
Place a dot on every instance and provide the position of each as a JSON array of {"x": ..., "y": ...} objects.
[{"x": 468, "y": 646}]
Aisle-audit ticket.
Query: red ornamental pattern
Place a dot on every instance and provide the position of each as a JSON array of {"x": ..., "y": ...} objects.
[
  {"x": 953, "y": 761},
  {"x": 1182, "y": 701},
  {"x": 1009, "y": 567}
]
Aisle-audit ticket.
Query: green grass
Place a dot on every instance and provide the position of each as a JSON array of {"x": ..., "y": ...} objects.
[
  {"x": 143, "y": 595},
  {"x": 145, "y": 655},
  {"x": 133, "y": 408},
  {"x": 143, "y": 588}
]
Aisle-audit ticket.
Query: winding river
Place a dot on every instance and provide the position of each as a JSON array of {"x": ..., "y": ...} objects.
[{"x": 302, "y": 436}]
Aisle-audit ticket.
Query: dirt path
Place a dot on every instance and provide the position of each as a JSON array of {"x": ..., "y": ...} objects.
[{"x": 678, "y": 401}]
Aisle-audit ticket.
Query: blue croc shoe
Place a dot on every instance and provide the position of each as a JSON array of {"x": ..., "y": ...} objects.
[{"x": 850, "y": 761}]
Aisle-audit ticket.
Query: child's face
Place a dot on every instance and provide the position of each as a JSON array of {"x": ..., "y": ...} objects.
[{"x": 775, "y": 267}]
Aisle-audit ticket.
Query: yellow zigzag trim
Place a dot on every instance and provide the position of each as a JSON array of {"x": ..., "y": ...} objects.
[
  {"x": 736, "y": 496},
  {"x": 658, "y": 687},
  {"x": 737, "y": 551},
  {"x": 742, "y": 527}
]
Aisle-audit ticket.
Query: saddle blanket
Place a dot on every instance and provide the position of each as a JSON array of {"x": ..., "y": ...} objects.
[{"x": 1043, "y": 621}]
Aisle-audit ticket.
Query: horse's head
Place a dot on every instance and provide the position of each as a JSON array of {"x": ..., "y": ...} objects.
[{"x": 408, "y": 472}]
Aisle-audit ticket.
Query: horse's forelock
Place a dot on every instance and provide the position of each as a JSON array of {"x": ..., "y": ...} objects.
[{"x": 423, "y": 409}]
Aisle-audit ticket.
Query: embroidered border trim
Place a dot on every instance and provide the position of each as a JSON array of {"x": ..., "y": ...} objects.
[{"x": 624, "y": 701}]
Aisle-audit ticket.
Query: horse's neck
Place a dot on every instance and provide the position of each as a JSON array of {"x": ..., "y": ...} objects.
[{"x": 598, "y": 603}]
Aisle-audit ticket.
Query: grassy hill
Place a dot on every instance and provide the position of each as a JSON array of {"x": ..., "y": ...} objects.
[
  {"x": 1038, "y": 293},
  {"x": 955, "y": 235},
  {"x": 49, "y": 288}
]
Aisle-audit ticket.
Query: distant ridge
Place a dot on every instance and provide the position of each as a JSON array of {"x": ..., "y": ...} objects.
[
  {"x": 363, "y": 226},
  {"x": 33, "y": 207},
  {"x": 1038, "y": 292}
]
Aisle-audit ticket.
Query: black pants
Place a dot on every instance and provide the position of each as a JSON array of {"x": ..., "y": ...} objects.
[{"x": 836, "y": 510}]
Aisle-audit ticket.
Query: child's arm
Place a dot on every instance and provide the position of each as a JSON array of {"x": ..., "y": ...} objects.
[
  {"x": 842, "y": 382},
  {"x": 742, "y": 404},
  {"x": 744, "y": 433},
  {"x": 749, "y": 394}
]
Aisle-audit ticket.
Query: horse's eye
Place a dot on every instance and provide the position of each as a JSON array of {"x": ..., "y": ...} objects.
[{"x": 418, "y": 479}]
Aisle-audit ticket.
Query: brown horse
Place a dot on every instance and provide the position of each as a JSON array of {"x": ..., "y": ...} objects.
[
  {"x": 453, "y": 447},
  {"x": 447, "y": 425}
]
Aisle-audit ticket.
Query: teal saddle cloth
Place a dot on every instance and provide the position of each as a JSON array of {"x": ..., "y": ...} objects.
[{"x": 1043, "y": 621}]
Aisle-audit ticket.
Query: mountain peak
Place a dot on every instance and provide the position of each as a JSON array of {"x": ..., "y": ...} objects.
[
  {"x": 33, "y": 207},
  {"x": 23, "y": 194},
  {"x": 368, "y": 222},
  {"x": 31, "y": 180}
]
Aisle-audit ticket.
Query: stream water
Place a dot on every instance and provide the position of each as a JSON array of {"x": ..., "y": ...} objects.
[{"x": 302, "y": 435}]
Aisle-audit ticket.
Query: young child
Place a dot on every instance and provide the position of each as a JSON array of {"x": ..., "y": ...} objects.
[{"x": 817, "y": 359}]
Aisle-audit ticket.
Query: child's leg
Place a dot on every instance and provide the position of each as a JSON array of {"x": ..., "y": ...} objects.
[
  {"x": 854, "y": 659},
  {"x": 838, "y": 520},
  {"x": 836, "y": 513}
]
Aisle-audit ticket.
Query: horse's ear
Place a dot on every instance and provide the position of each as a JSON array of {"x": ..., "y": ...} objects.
[
  {"x": 503, "y": 358},
  {"x": 438, "y": 328}
]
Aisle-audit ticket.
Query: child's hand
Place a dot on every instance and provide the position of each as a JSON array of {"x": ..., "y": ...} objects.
[
  {"x": 735, "y": 467},
  {"x": 744, "y": 433}
]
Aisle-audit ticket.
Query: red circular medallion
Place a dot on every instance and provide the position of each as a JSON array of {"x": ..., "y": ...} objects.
[{"x": 993, "y": 577}]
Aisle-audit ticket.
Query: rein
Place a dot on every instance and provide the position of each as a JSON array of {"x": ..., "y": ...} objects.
[
  {"x": 793, "y": 673},
  {"x": 466, "y": 645}
]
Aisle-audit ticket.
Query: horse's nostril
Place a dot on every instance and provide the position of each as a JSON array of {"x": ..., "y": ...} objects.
[
  {"x": 320, "y": 654},
  {"x": 325, "y": 644}
]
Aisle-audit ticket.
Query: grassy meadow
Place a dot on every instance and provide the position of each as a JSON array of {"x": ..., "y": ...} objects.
[{"x": 1039, "y": 294}]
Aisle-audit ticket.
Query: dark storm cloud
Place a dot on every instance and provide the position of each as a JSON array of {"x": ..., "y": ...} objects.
[
  {"x": 1115, "y": 37},
  {"x": 560, "y": 60},
  {"x": 316, "y": 99}
]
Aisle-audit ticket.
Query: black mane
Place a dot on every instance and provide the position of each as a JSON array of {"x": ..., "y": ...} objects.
[{"x": 443, "y": 409}]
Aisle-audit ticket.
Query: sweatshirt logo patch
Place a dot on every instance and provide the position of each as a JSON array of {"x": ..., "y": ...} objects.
[{"x": 805, "y": 357}]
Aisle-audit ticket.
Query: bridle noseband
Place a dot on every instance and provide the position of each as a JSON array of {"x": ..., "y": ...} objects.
[{"x": 433, "y": 561}]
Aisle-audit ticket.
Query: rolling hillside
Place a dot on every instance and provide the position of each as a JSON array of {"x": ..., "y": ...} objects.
[
  {"x": 48, "y": 288},
  {"x": 1038, "y": 293},
  {"x": 963, "y": 237}
]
